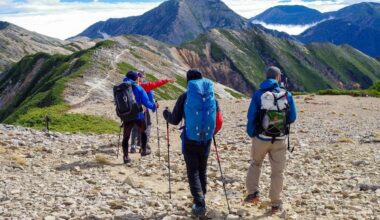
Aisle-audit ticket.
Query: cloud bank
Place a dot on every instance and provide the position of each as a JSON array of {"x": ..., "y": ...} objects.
[{"x": 66, "y": 19}]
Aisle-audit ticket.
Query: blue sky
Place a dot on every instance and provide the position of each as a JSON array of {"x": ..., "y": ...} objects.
[{"x": 66, "y": 18}]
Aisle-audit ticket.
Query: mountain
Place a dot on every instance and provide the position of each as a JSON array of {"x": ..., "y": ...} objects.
[
  {"x": 290, "y": 15},
  {"x": 238, "y": 60},
  {"x": 16, "y": 42},
  {"x": 174, "y": 21},
  {"x": 67, "y": 86},
  {"x": 357, "y": 25}
]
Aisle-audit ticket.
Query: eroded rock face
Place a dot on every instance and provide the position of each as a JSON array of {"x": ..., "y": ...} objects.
[
  {"x": 78, "y": 176},
  {"x": 222, "y": 71}
]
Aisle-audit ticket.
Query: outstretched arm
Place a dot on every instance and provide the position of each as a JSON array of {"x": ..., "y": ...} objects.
[{"x": 149, "y": 86}]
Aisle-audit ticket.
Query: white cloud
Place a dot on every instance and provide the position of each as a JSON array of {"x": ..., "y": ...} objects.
[
  {"x": 66, "y": 19},
  {"x": 290, "y": 29},
  {"x": 251, "y": 8}
]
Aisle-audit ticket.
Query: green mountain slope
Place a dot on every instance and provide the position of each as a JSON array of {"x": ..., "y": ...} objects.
[
  {"x": 308, "y": 67},
  {"x": 35, "y": 86},
  {"x": 76, "y": 90}
]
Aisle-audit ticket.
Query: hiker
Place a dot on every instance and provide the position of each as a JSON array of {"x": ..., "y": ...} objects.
[
  {"x": 142, "y": 99},
  {"x": 270, "y": 114},
  {"x": 196, "y": 141},
  {"x": 148, "y": 87}
]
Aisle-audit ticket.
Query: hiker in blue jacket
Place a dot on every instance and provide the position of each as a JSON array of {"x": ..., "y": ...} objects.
[
  {"x": 142, "y": 99},
  {"x": 265, "y": 141}
]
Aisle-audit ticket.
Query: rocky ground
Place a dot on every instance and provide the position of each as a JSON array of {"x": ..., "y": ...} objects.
[{"x": 332, "y": 174}]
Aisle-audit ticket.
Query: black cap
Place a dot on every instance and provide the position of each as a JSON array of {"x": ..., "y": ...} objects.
[
  {"x": 193, "y": 74},
  {"x": 133, "y": 75}
]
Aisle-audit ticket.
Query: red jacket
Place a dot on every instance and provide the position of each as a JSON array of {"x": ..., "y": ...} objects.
[
  {"x": 149, "y": 86},
  {"x": 219, "y": 121}
]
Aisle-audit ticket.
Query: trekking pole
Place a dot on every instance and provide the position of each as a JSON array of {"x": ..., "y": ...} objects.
[
  {"x": 47, "y": 120},
  {"x": 221, "y": 173},
  {"x": 291, "y": 150},
  {"x": 118, "y": 142},
  {"x": 158, "y": 138},
  {"x": 168, "y": 139}
]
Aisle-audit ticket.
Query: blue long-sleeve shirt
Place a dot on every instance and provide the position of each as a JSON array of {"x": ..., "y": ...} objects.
[
  {"x": 254, "y": 108},
  {"x": 142, "y": 98}
]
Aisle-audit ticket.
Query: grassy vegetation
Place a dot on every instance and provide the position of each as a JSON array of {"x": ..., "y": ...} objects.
[
  {"x": 181, "y": 81},
  {"x": 217, "y": 53},
  {"x": 102, "y": 159},
  {"x": 125, "y": 67},
  {"x": 312, "y": 67},
  {"x": 166, "y": 92},
  {"x": 20, "y": 160},
  {"x": 349, "y": 64},
  {"x": 43, "y": 95},
  {"x": 66, "y": 122},
  {"x": 299, "y": 93},
  {"x": 355, "y": 93},
  {"x": 135, "y": 54},
  {"x": 234, "y": 94},
  {"x": 376, "y": 86},
  {"x": 373, "y": 91}
]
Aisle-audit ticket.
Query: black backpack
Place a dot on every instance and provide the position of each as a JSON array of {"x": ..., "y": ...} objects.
[{"x": 126, "y": 106}]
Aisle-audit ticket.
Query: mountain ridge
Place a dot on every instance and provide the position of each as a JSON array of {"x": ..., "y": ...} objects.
[
  {"x": 17, "y": 42},
  {"x": 173, "y": 21},
  {"x": 290, "y": 15},
  {"x": 357, "y": 25}
]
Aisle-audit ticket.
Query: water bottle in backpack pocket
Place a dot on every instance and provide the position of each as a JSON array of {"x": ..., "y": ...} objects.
[
  {"x": 200, "y": 110},
  {"x": 126, "y": 106},
  {"x": 273, "y": 114}
]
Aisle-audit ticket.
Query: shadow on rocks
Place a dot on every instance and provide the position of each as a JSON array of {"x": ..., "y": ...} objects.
[
  {"x": 122, "y": 217},
  {"x": 81, "y": 165}
]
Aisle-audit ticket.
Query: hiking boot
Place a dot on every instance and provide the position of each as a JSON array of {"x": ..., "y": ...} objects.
[
  {"x": 198, "y": 211},
  {"x": 126, "y": 159},
  {"x": 276, "y": 209},
  {"x": 133, "y": 149},
  {"x": 145, "y": 152},
  {"x": 253, "y": 198}
]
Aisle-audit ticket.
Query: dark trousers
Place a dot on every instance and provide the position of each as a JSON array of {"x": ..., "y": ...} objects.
[
  {"x": 196, "y": 156},
  {"x": 136, "y": 135},
  {"x": 128, "y": 126}
]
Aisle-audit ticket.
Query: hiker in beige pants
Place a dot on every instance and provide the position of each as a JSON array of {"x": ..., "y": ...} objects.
[
  {"x": 277, "y": 159},
  {"x": 270, "y": 114}
]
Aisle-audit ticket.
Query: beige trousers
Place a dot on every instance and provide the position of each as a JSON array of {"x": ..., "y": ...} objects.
[{"x": 277, "y": 158}]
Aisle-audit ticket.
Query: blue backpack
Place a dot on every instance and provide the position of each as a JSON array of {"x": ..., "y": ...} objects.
[{"x": 200, "y": 110}]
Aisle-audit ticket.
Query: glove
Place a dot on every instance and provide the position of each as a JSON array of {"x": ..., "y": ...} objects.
[{"x": 166, "y": 114}]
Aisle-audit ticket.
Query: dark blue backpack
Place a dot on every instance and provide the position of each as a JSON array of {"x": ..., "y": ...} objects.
[{"x": 200, "y": 110}]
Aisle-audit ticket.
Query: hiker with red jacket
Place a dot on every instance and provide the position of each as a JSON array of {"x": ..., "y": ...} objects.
[
  {"x": 141, "y": 99},
  {"x": 148, "y": 87},
  {"x": 203, "y": 119}
]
